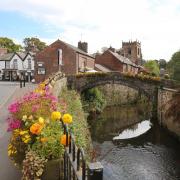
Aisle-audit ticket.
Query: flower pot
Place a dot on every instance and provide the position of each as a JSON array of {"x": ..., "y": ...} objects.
[{"x": 53, "y": 170}]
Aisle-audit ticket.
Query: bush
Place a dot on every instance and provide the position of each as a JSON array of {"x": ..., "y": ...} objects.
[
  {"x": 72, "y": 101},
  {"x": 93, "y": 100}
]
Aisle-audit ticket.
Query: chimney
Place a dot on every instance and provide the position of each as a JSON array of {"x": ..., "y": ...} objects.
[
  {"x": 83, "y": 46},
  {"x": 3, "y": 51},
  {"x": 112, "y": 49}
]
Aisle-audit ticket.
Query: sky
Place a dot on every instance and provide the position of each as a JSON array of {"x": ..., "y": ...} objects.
[{"x": 101, "y": 23}]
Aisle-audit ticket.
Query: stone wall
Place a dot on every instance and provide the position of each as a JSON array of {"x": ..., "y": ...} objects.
[
  {"x": 117, "y": 94},
  {"x": 164, "y": 97}
]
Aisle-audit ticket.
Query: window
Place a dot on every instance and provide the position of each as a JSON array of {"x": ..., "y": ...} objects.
[
  {"x": 138, "y": 51},
  {"x": 41, "y": 70},
  {"x": 15, "y": 64},
  {"x": 40, "y": 64},
  {"x": 60, "y": 57},
  {"x": 7, "y": 65},
  {"x": 129, "y": 51},
  {"x": 29, "y": 63}
]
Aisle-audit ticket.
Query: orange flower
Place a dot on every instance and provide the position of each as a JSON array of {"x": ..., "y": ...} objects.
[
  {"x": 36, "y": 128},
  {"x": 44, "y": 140},
  {"x": 63, "y": 139}
]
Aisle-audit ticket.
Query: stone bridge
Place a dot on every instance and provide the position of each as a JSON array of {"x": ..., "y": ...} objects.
[
  {"x": 159, "y": 92},
  {"x": 147, "y": 86}
]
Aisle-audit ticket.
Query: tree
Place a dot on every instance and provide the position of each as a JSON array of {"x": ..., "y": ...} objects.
[
  {"x": 9, "y": 44},
  {"x": 174, "y": 66},
  {"x": 34, "y": 44},
  {"x": 153, "y": 67},
  {"x": 162, "y": 63}
]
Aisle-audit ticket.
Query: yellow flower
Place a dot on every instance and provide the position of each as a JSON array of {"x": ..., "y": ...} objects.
[
  {"x": 26, "y": 139},
  {"x": 36, "y": 128},
  {"x": 67, "y": 118},
  {"x": 56, "y": 115},
  {"x": 24, "y": 117},
  {"x": 41, "y": 120},
  {"x": 11, "y": 150},
  {"x": 42, "y": 85},
  {"x": 16, "y": 132},
  {"x": 23, "y": 132}
]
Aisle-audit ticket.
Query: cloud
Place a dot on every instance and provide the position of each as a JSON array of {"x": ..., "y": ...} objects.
[{"x": 103, "y": 23}]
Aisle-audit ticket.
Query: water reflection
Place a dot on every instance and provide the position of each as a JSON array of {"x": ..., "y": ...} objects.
[
  {"x": 153, "y": 155},
  {"x": 115, "y": 119},
  {"x": 134, "y": 131}
]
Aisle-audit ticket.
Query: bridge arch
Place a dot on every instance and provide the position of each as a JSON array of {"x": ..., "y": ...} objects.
[{"x": 84, "y": 82}]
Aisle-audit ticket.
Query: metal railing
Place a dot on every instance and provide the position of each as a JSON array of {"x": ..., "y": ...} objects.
[{"x": 74, "y": 163}]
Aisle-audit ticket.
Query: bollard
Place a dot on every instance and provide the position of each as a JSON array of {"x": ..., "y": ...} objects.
[
  {"x": 20, "y": 84},
  {"x": 95, "y": 171},
  {"x": 24, "y": 82}
]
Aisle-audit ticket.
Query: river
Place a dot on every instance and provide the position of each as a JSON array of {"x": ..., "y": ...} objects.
[{"x": 130, "y": 146}]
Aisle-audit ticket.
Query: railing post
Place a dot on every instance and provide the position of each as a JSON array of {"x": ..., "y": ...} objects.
[{"x": 95, "y": 171}]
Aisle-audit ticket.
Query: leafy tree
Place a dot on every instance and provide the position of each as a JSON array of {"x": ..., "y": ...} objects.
[
  {"x": 153, "y": 67},
  {"x": 9, "y": 44},
  {"x": 33, "y": 44},
  {"x": 174, "y": 66},
  {"x": 162, "y": 63}
]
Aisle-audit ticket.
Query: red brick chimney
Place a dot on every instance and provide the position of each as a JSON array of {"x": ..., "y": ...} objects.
[{"x": 3, "y": 51}]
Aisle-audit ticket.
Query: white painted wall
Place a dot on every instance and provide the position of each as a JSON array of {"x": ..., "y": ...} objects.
[
  {"x": 25, "y": 62},
  {"x": 19, "y": 62},
  {"x": 2, "y": 65}
]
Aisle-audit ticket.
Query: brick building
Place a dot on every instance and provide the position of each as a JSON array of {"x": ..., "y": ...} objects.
[
  {"x": 113, "y": 61},
  {"x": 61, "y": 56}
]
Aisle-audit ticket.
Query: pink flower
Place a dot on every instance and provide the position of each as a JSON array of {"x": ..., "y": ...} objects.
[
  {"x": 35, "y": 107},
  {"x": 13, "y": 124},
  {"x": 14, "y": 107}
]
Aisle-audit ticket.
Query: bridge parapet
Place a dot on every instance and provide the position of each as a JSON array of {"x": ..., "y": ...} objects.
[{"x": 81, "y": 82}]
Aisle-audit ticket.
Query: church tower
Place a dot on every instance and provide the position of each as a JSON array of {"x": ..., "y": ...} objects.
[{"x": 132, "y": 50}]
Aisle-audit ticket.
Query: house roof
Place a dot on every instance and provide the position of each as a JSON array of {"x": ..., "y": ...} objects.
[
  {"x": 123, "y": 59},
  {"x": 102, "y": 68},
  {"x": 9, "y": 56},
  {"x": 77, "y": 49},
  {"x": 22, "y": 55},
  {"x": 6, "y": 57}
]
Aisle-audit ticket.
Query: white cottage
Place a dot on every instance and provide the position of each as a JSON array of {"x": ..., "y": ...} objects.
[{"x": 14, "y": 64}]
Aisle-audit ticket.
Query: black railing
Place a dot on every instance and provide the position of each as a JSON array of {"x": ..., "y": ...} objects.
[{"x": 74, "y": 163}]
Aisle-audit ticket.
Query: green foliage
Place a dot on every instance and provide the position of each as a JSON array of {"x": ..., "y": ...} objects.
[
  {"x": 79, "y": 127},
  {"x": 33, "y": 166},
  {"x": 9, "y": 44},
  {"x": 48, "y": 143},
  {"x": 162, "y": 63},
  {"x": 174, "y": 66},
  {"x": 153, "y": 67},
  {"x": 33, "y": 43},
  {"x": 93, "y": 100}
]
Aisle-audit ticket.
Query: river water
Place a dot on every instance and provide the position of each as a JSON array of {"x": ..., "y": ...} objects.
[{"x": 130, "y": 146}]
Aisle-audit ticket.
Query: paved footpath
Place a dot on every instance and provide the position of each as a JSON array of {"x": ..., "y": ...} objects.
[{"x": 8, "y": 93}]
